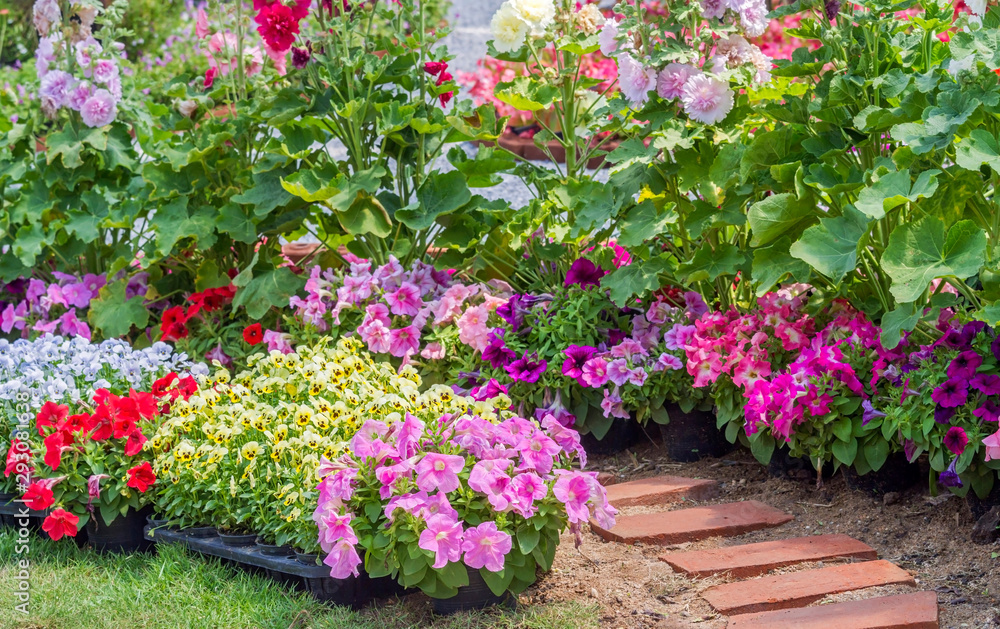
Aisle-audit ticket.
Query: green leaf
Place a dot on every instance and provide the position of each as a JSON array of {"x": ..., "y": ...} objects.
[
  {"x": 28, "y": 243},
  {"x": 526, "y": 94},
  {"x": 777, "y": 215},
  {"x": 894, "y": 323},
  {"x": 235, "y": 222},
  {"x": 845, "y": 451},
  {"x": 634, "y": 279},
  {"x": 876, "y": 453},
  {"x": 762, "y": 447},
  {"x": 644, "y": 222},
  {"x": 454, "y": 574},
  {"x": 922, "y": 251},
  {"x": 497, "y": 581},
  {"x": 366, "y": 216},
  {"x": 843, "y": 428},
  {"x": 440, "y": 194},
  {"x": 832, "y": 246},
  {"x": 709, "y": 263},
  {"x": 771, "y": 264},
  {"x": 893, "y": 189},
  {"x": 113, "y": 315},
  {"x": 273, "y": 288},
  {"x": 978, "y": 149},
  {"x": 527, "y": 538}
]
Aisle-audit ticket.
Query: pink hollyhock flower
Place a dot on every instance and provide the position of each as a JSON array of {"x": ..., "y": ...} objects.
[
  {"x": 670, "y": 82},
  {"x": 992, "y": 444},
  {"x": 527, "y": 488},
  {"x": 201, "y": 24},
  {"x": 99, "y": 110},
  {"x": 376, "y": 336},
  {"x": 405, "y": 301},
  {"x": 608, "y": 38},
  {"x": 253, "y": 60},
  {"x": 595, "y": 372},
  {"x": 618, "y": 371},
  {"x": 277, "y": 26},
  {"x": 713, "y": 8},
  {"x": 753, "y": 16},
  {"x": 634, "y": 80},
  {"x": 956, "y": 440},
  {"x": 443, "y": 537},
  {"x": 404, "y": 341},
  {"x": 573, "y": 490},
  {"x": 439, "y": 471},
  {"x": 485, "y": 547},
  {"x": 334, "y": 527},
  {"x": 343, "y": 560},
  {"x": 707, "y": 100},
  {"x": 612, "y": 405},
  {"x": 279, "y": 58}
]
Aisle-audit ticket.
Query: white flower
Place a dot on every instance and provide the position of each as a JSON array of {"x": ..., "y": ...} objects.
[
  {"x": 753, "y": 17},
  {"x": 46, "y": 13},
  {"x": 964, "y": 64},
  {"x": 706, "y": 99},
  {"x": 538, "y": 14},
  {"x": 590, "y": 19},
  {"x": 635, "y": 80},
  {"x": 508, "y": 29},
  {"x": 608, "y": 39},
  {"x": 978, "y": 7},
  {"x": 713, "y": 8}
]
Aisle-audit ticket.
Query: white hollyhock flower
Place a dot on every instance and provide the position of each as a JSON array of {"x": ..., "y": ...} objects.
[
  {"x": 538, "y": 14},
  {"x": 706, "y": 99},
  {"x": 508, "y": 29}
]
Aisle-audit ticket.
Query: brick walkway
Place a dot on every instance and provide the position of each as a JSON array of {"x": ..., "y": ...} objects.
[{"x": 776, "y": 601}]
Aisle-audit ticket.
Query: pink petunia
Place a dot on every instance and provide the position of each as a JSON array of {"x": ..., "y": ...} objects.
[
  {"x": 439, "y": 471},
  {"x": 333, "y": 528},
  {"x": 573, "y": 490},
  {"x": 343, "y": 560},
  {"x": 595, "y": 372},
  {"x": 404, "y": 341},
  {"x": 405, "y": 301},
  {"x": 443, "y": 537},
  {"x": 485, "y": 547}
]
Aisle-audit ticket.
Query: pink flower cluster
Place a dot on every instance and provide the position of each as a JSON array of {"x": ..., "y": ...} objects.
[
  {"x": 396, "y": 305},
  {"x": 75, "y": 71},
  {"x": 51, "y": 308},
  {"x": 423, "y": 472}
]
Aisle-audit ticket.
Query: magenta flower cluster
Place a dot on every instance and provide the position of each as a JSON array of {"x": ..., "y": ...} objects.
[{"x": 423, "y": 474}]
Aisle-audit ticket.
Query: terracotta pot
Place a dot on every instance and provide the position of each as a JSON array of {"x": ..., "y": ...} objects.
[
  {"x": 525, "y": 147},
  {"x": 296, "y": 252}
]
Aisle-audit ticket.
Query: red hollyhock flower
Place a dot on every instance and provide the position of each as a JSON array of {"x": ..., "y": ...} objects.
[
  {"x": 278, "y": 26},
  {"x": 253, "y": 334},
  {"x": 38, "y": 497},
  {"x": 446, "y": 98},
  {"x": 61, "y": 522},
  {"x": 435, "y": 68},
  {"x": 141, "y": 477},
  {"x": 19, "y": 452},
  {"x": 300, "y": 9},
  {"x": 210, "y": 75},
  {"x": 50, "y": 415},
  {"x": 54, "y": 445}
]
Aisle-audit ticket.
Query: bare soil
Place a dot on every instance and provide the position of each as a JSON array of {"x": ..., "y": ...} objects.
[{"x": 928, "y": 536}]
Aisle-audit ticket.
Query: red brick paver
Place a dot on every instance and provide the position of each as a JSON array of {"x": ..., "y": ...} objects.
[
  {"x": 905, "y": 611},
  {"x": 661, "y": 490},
  {"x": 798, "y": 589},
  {"x": 750, "y": 560},
  {"x": 688, "y": 525}
]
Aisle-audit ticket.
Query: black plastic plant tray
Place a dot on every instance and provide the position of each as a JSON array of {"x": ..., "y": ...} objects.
[
  {"x": 10, "y": 513},
  {"x": 351, "y": 592}
]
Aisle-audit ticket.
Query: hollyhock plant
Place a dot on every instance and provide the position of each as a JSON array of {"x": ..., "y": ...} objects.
[{"x": 505, "y": 474}]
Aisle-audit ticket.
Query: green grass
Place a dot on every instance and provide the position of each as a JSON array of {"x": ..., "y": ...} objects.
[{"x": 174, "y": 589}]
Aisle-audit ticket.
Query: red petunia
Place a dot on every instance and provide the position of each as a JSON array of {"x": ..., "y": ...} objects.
[
  {"x": 38, "y": 497},
  {"x": 54, "y": 446},
  {"x": 145, "y": 403},
  {"x": 173, "y": 326},
  {"x": 61, "y": 522},
  {"x": 133, "y": 445},
  {"x": 76, "y": 423},
  {"x": 18, "y": 453},
  {"x": 100, "y": 424},
  {"x": 278, "y": 26},
  {"x": 162, "y": 386},
  {"x": 253, "y": 334},
  {"x": 141, "y": 477},
  {"x": 188, "y": 386},
  {"x": 50, "y": 415}
]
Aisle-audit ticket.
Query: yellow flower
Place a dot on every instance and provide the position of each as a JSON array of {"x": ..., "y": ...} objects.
[
  {"x": 302, "y": 415},
  {"x": 280, "y": 433},
  {"x": 250, "y": 450},
  {"x": 184, "y": 452},
  {"x": 221, "y": 376},
  {"x": 311, "y": 439}
]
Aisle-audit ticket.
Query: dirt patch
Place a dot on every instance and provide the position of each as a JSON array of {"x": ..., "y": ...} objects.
[{"x": 927, "y": 536}]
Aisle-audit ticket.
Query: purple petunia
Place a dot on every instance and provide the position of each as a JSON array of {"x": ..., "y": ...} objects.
[
  {"x": 951, "y": 393},
  {"x": 497, "y": 354},
  {"x": 585, "y": 273},
  {"x": 963, "y": 366},
  {"x": 869, "y": 412},
  {"x": 988, "y": 412},
  {"x": 956, "y": 440},
  {"x": 986, "y": 383},
  {"x": 949, "y": 477},
  {"x": 943, "y": 415},
  {"x": 576, "y": 357}
]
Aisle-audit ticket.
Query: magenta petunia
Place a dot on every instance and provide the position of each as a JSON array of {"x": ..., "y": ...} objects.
[
  {"x": 405, "y": 301},
  {"x": 576, "y": 357},
  {"x": 595, "y": 372},
  {"x": 956, "y": 440},
  {"x": 333, "y": 528},
  {"x": 585, "y": 273},
  {"x": 439, "y": 472},
  {"x": 527, "y": 369},
  {"x": 573, "y": 490},
  {"x": 485, "y": 547},
  {"x": 963, "y": 367}
]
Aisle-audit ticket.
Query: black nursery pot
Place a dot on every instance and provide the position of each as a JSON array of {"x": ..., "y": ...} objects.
[
  {"x": 692, "y": 436},
  {"x": 981, "y": 506},
  {"x": 238, "y": 539},
  {"x": 124, "y": 535},
  {"x": 274, "y": 551},
  {"x": 623, "y": 434},
  {"x": 784, "y": 465},
  {"x": 896, "y": 474},
  {"x": 476, "y": 595}
]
